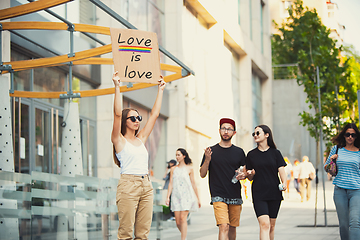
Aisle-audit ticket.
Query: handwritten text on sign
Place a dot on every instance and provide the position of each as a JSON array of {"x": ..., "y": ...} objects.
[{"x": 135, "y": 55}]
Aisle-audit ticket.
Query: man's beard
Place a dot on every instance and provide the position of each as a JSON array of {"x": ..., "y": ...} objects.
[{"x": 226, "y": 140}]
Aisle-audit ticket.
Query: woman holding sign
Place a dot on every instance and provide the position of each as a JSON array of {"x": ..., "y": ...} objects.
[{"x": 134, "y": 197}]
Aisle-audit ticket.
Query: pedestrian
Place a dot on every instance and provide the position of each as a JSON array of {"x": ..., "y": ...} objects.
[
  {"x": 289, "y": 174},
  {"x": 264, "y": 164},
  {"x": 296, "y": 172},
  {"x": 166, "y": 178},
  {"x": 183, "y": 191},
  {"x": 347, "y": 181},
  {"x": 134, "y": 196},
  {"x": 221, "y": 161},
  {"x": 307, "y": 171}
]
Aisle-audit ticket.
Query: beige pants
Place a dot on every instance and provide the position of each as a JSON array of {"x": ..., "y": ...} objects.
[
  {"x": 134, "y": 199},
  {"x": 305, "y": 184}
]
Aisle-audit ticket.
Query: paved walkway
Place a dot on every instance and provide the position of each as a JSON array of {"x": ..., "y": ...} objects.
[{"x": 296, "y": 220}]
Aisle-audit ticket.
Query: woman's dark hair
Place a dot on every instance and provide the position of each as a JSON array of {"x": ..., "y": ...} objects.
[
  {"x": 116, "y": 160},
  {"x": 270, "y": 140},
  {"x": 340, "y": 138},
  {"x": 124, "y": 115},
  {"x": 187, "y": 159}
]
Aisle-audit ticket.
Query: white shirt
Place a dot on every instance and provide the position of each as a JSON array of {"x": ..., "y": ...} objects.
[
  {"x": 305, "y": 169},
  {"x": 133, "y": 159}
]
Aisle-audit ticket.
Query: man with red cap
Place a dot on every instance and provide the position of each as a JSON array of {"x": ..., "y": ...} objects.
[{"x": 221, "y": 161}]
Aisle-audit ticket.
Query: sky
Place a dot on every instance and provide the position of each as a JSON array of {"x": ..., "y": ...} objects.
[{"x": 349, "y": 16}]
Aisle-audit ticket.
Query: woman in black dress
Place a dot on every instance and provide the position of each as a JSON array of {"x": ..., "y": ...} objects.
[{"x": 264, "y": 164}]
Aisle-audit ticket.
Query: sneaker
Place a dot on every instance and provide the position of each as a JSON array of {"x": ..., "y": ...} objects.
[{"x": 171, "y": 219}]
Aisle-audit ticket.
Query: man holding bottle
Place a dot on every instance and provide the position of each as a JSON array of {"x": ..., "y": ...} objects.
[{"x": 221, "y": 161}]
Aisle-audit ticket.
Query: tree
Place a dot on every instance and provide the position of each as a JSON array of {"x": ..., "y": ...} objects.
[
  {"x": 304, "y": 40},
  {"x": 353, "y": 60}
]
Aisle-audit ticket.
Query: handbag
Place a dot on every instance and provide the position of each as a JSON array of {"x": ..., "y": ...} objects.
[
  {"x": 311, "y": 176},
  {"x": 331, "y": 167}
]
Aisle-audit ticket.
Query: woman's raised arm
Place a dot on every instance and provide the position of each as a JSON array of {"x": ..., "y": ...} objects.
[
  {"x": 154, "y": 114},
  {"x": 116, "y": 132}
]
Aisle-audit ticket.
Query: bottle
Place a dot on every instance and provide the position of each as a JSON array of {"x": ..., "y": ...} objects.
[{"x": 234, "y": 180}]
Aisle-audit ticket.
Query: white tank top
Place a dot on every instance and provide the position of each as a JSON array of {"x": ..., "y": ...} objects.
[{"x": 133, "y": 159}]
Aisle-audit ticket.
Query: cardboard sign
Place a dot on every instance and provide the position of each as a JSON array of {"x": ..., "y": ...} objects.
[{"x": 135, "y": 55}]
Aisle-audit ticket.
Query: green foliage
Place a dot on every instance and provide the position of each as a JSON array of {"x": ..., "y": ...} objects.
[
  {"x": 353, "y": 60},
  {"x": 304, "y": 40}
]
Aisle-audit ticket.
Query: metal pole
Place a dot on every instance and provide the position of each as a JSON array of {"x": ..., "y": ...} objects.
[
  {"x": 1, "y": 31},
  {"x": 70, "y": 91},
  {"x": 321, "y": 144},
  {"x": 158, "y": 213}
]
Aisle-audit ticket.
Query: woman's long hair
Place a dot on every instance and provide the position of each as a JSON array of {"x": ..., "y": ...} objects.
[
  {"x": 340, "y": 138},
  {"x": 270, "y": 140},
  {"x": 124, "y": 115},
  {"x": 187, "y": 159}
]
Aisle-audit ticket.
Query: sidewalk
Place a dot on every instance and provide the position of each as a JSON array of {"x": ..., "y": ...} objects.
[{"x": 296, "y": 220}]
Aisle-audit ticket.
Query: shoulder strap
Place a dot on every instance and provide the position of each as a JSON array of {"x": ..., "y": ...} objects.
[{"x": 336, "y": 152}]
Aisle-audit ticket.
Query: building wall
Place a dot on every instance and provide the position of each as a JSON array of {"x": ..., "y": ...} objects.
[
  {"x": 222, "y": 84},
  {"x": 224, "y": 56},
  {"x": 292, "y": 139}
]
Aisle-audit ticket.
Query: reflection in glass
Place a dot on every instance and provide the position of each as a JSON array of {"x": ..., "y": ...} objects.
[
  {"x": 50, "y": 79},
  {"x": 22, "y": 143},
  {"x": 42, "y": 152},
  {"x": 21, "y": 78}
]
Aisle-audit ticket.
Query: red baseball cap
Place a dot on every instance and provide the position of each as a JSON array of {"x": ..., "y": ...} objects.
[{"x": 227, "y": 120}]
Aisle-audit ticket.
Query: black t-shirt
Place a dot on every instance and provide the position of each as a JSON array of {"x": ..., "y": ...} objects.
[
  {"x": 224, "y": 162},
  {"x": 266, "y": 181}
]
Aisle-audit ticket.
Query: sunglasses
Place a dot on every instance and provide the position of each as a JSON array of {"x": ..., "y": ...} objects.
[
  {"x": 133, "y": 118},
  {"x": 257, "y": 133},
  {"x": 353, "y": 135}
]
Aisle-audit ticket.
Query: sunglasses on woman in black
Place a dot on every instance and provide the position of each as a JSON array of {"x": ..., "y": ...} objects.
[
  {"x": 133, "y": 118},
  {"x": 257, "y": 133}
]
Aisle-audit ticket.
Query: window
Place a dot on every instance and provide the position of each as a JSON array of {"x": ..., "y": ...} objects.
[
  {"x": 257, "y": 100},
  {"x": 286, "y": 5},
  {"x": 262, "y": 5},
  {"x": 146, "y": 15},
  {"x": 239, "y": 11},
  {"x": 37, "y": 122},
  {"x": 235, "y": 81},
  {"x": 251, "y": 28}
]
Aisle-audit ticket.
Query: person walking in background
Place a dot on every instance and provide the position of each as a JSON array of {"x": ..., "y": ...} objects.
[
  {"x": 347, "y": 181},
  {"x": 306, "y": 170},
  {"x": 134, "y": 196},
  {"x": 183, "y": 191},
  {"x": 289, "y": 174},
  {"x": 264, "y": 164},
  {"x": 221, "y": 161},
  {"x": 296, "y": 172},
  {"x": 166, "y": 178}
]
